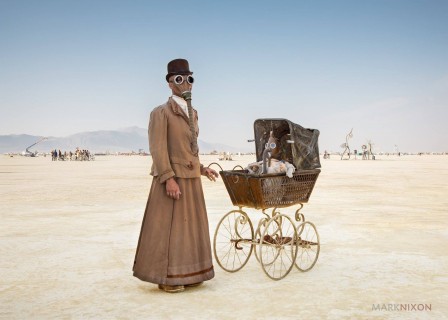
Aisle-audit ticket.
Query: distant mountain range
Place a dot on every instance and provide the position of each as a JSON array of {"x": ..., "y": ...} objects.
[{"x": 122, "y": 140}]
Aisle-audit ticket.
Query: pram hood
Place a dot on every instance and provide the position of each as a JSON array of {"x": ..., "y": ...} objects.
[{"x": 303, "y": 152}]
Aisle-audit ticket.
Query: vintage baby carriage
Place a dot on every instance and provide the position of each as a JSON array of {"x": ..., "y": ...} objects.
[{"x": 278, "y": 243}]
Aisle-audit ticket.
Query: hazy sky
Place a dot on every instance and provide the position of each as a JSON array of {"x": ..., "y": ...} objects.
[{"x": 378, "y": 66}]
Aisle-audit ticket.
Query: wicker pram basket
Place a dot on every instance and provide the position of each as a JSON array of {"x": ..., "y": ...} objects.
[{"x": 269, "y": 190}]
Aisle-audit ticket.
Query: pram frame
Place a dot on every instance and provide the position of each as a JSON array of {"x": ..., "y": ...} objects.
[{"x": 276, "y": 241}]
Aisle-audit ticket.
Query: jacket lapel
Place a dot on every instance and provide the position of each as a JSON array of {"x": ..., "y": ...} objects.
[{"x": 177, "y": 110}]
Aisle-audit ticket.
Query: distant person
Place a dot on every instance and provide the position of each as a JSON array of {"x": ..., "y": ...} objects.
[{"x": 174, "y": 249}]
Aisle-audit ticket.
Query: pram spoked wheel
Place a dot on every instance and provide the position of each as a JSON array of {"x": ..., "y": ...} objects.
[
  {"x": 278, "y": 247},
  {"x": 308, "y": 243},
  {"x": 260, "y": 229},
  {"x": 233, "y": 241}
]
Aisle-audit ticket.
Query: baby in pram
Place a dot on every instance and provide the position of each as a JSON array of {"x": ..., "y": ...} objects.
[{"x": 274, "y": 165}]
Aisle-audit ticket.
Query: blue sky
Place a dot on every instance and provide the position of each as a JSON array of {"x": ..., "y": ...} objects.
[{"x": 378, "y": 66}]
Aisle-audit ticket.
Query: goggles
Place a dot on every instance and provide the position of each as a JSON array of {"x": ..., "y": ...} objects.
[
  {"x": 179, "y": 79},
  {"x": 271, "y": 145}
]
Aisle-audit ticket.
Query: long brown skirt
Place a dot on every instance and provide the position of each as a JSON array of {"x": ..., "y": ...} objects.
[{"x": 174, "y": 244}]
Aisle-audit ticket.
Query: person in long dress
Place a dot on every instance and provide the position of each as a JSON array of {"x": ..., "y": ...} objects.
[{"x": 174, "y": 249}]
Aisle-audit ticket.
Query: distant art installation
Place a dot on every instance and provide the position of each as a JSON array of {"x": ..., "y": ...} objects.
[
  {"x": 367, "y": 151},
  {"x": 397, "y": 151},
  {"x": 28, "y": 153},
  {"x": 346, "y": 147}
]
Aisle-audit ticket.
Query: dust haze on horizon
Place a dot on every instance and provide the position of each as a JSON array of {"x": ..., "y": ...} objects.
[{"x": 376, "y": 66}]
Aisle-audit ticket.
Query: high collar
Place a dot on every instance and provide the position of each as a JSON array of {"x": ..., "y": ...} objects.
[
  {"x": 180, "y": 101},
  {"x": 178, "y": 110}
]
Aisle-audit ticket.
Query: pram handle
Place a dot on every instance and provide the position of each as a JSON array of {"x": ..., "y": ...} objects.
[
  {"x": 216, "y": 164},
  {"x": 222, "y": 168}
]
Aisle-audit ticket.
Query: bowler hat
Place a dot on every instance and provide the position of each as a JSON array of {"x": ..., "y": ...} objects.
[{"x": 178, "y": 66}]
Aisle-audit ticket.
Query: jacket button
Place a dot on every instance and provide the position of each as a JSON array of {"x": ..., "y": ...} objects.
[{"x": 190, "y": 165}]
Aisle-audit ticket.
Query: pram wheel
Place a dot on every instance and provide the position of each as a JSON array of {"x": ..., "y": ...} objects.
[
  {"x": 260, "y": 229},
  {"x": 278, "y": 247},
  {"x": 308, "y": 246},
  {"x": 233, "y": 240}
]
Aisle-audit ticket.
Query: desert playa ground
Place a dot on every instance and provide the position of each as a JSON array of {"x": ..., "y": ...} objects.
[{"x": 69, "y": 230}]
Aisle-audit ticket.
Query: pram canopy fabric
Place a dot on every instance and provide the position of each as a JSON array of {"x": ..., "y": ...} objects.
[{"x": 298, "y": 145}]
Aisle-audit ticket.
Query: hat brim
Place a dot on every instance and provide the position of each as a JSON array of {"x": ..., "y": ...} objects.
[{"x": 176, "y": 73}]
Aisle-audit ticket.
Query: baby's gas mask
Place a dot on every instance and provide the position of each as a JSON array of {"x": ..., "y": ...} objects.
[
  {"x": 272, "y": 145},
  {"x": 271, "y": 150}
]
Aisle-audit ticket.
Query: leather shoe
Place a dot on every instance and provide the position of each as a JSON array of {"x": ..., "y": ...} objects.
[
  {"x": 194, "y": 284},
  {"x": 171, "y": 289}
]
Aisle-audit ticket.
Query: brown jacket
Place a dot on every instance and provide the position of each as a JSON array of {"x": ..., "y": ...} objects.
[{"x": 169, "y": 143}]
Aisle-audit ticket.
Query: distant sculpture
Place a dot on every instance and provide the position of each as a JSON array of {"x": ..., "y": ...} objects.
[
  {"x": 28, "y": 153},
  {"x": 346, "y": 146},
  {"x": 367, "y": 151},
  {"x": 370, "y": 144},
  {"x": 397, "y": 151},
  {"x": 364, "y": 152}
]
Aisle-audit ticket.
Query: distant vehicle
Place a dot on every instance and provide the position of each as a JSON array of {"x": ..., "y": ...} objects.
[
  {"x": 28, "y": 153},
  {"x": 225, "y": 156}
]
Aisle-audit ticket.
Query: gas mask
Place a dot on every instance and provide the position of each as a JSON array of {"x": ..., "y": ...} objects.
[
  {"x": 271, "y": 149},
  {"x": 183, "y": 84}
]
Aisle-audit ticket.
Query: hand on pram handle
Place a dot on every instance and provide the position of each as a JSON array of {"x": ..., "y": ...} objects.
[{"x": 209, "y": 173}]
